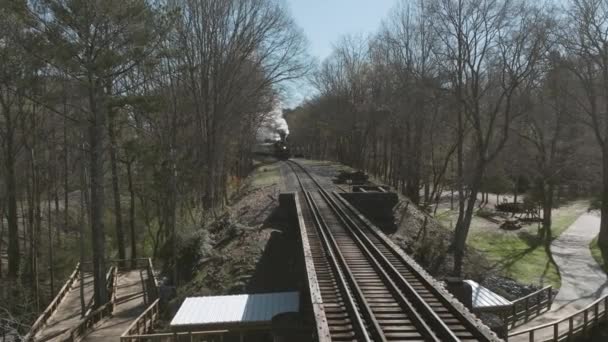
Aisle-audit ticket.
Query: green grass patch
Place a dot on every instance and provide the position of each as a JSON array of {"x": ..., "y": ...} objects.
[
  {"x": 520, "y": 255},
  {"x": 265, "y": 175},
  {"x": 596, "y": 252}
]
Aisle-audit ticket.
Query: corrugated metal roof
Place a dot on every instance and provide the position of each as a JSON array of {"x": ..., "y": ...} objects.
[
  {"x": 236, "y": 308},
  {"x": 484, "y": 298}
]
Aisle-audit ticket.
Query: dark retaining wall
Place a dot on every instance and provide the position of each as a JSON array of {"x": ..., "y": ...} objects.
[{"x": 376, "y": 206}]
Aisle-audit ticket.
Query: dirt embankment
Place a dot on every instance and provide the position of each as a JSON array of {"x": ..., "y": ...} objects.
[{"x": 248, "y": 249}]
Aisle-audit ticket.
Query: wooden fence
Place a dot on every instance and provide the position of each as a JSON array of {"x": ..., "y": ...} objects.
[
  {"x": 52, "y": 307},
  {"x": 96, "y": 315},
  {"x": 145, "y": 322},
  {"x": 152, "y": 283},
  {"x": 530, "y": 306},
  {"x": 93, "y": 317},
  {"x": 141, "y": 330},
  {"x": 193, "y": 336},
  {"x": 580, "y": 322}
]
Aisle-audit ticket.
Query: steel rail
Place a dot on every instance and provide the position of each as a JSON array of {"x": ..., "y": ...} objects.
[
  {"x": 332, "y": 247},
  {"x": 466, "y": 321},
  {"x": 351, "y": 305},
  {"x": 447, "y": 313},
  {"x": 390, "y": 285},
  {"x": 417, "y": 321},
  {"x": 402, "y": 288}
]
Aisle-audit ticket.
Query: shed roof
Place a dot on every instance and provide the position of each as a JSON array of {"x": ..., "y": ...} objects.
[
  {"x": 245, "y": 308},
  {"x": 484, "y": 298}
]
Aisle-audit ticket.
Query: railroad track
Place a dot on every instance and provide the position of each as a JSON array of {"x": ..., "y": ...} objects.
[{"x": 370, "y": 292}]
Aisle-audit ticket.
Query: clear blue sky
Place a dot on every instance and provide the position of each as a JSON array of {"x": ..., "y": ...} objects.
[{"x": 325, "y": 21}]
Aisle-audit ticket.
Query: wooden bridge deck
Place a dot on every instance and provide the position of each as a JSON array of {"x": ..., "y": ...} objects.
[
  {"x": 67, "y": 314},
  {"x": 130, "y": 303},
  {"x": 131, "y": 291}
]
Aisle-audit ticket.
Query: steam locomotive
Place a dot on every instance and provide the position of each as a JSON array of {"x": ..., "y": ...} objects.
[{"x": 278, "y": 149}]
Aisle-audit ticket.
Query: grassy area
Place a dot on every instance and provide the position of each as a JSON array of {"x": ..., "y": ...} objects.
[
  {"x": 335, "y": 165},
  {"x": 519, "y": 255},
  {"x": 597, "y": 254},
  {"x": 265, "y": 175}
]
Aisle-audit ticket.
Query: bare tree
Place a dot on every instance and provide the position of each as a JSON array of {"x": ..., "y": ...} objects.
[
  {"x": 12, "y": 101},
  {"x": 551, "y": 131},
  {"x": 491, "y": 46},
  {"x": 236, "y": 51},
  {"x": 585, "y": 38},
  {"x": 95, "y": 43}
]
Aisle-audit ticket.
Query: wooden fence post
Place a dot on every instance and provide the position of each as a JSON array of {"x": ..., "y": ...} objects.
[
  {"x": 555, "y": 331},
  {"x": 596, "y": 308},
  {"x": 532, "y": 336}
]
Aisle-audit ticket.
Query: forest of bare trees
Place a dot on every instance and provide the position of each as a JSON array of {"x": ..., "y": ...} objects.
[
  {"x": 125, "y": 124},
  {"x": 122, "y": 121},
  {"x": 469, "y": 97}
]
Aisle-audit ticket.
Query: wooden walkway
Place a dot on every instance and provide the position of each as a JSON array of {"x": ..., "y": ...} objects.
[
  {"x": 581, "y": 301},
  {"x": 131, "y": 301},
  {"x": 67, "y": 314},
  {"x": 131, "y": 291}
]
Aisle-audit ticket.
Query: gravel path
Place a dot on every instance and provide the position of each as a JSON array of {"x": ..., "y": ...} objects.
[{"x": 583, "y": 280}]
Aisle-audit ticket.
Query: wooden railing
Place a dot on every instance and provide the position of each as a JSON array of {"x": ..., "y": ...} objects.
[
  {"x": 96, "y": 315},
  {"x": 93, "y": 317},
  {"x": 52, "y": 307},
  {"x": 152, "y": 287},
  {"x": 87, "y": 323},
  {"x": 145, "y": 322},
  {"x": 151, "y": 283},
  {"x": 530, "y": 305},
  {"x": 580, "y": 322},
  {"x": 206, "y": 336}
]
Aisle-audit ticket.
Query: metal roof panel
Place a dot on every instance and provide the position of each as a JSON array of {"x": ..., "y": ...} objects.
[
  {"x": 484, "y": 298},
  {"x": 236, "y": 308}
]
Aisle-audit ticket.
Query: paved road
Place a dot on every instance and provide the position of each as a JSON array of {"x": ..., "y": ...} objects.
[
  {"x": 130, "y": 304},
  {"x": 583, "y": 280},
  {"x": 68, "y": 313}
]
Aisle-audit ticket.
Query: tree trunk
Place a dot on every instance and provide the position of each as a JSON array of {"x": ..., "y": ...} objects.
[
  {"x": 56, "y": 216},
  {"x": 452, "y": 197},
  {"x": 463, "y": 224},
  {"x": 14, "y": 255},
  {"x": 38, "y": 229},
  {"x": 50, "y": 242},
  {"x": 96, "y": 139},
  {"x": 603, "y": 235},
  {"x": 132, "y": 212},
  {"x": 1, "y": 237},
  {"x": 461, "y": 196},
  {"x": 120, "y": 239},
  {"x": 66, "y": 185},
  {"x": 81, "y": 225},
  {"x": 548, "y": 190}
]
